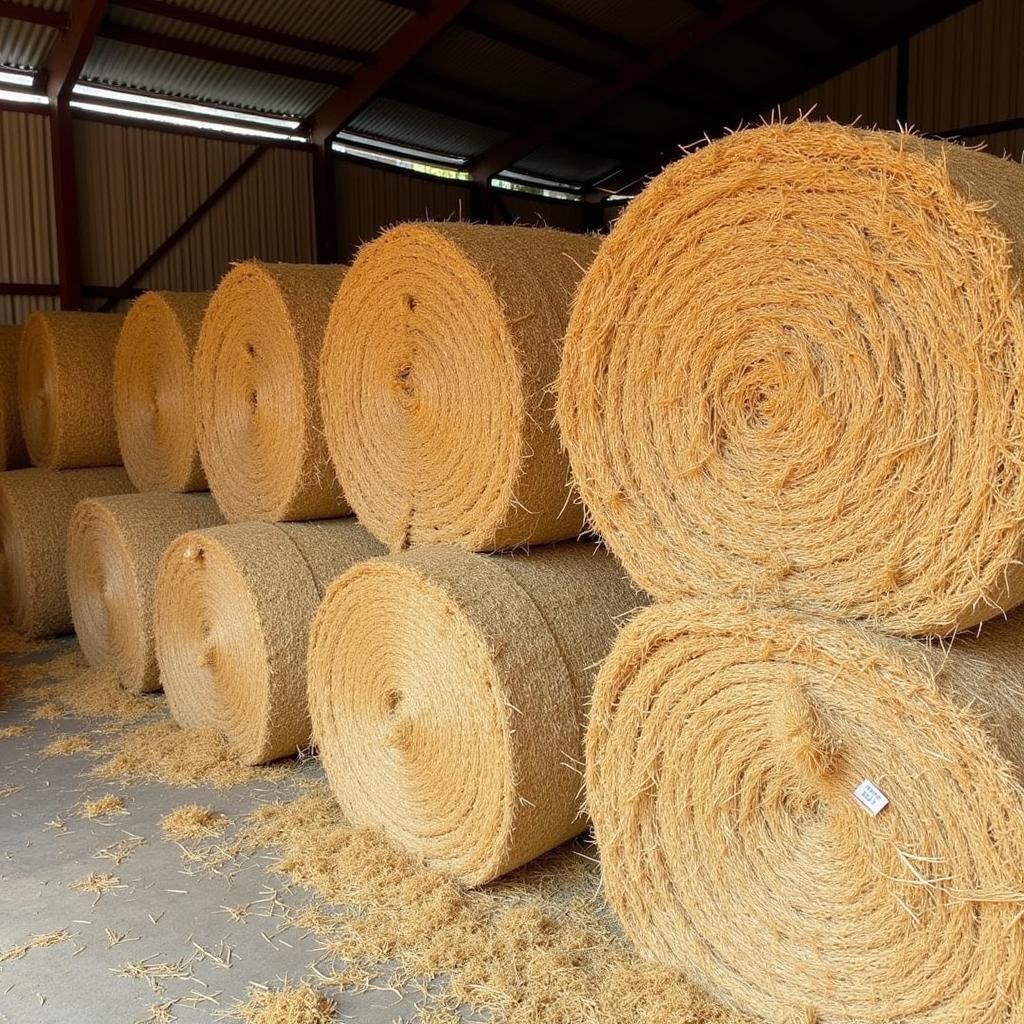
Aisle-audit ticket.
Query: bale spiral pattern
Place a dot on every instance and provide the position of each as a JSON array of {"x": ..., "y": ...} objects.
[
  {"x": 794, "y": 372},
  {"x": 35, "y": 509},
  {"x": 442, "y": 346},
  {"x": 260, "y": 432},
  {"x": 13, "y": 454},
  {"x": 65, "y": 389},
  {"x": 724, "y": 747},
  {"x": 154, "y": 391},
  {"x": 448, "y": 692},
  {"x": 113, "y": 551},
  {"x": 233, "y": 610}
]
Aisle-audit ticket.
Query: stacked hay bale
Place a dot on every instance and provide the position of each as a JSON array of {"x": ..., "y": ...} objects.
[
  {"x": 259, "y": 426},
  {"x": 782, "y": 424},
  {"x": 65, "y": 406},
  {"x": 447, "y": 686},
  {"x": 114, "y": 546},
  {"x": 154, "y": 391},
  {"x": 13, "y": 454}
]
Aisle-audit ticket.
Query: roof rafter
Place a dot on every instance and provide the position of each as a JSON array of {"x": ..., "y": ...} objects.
[
  {"x": 35, "y": 15},
  {"x": 245, "y": 30},
  {"x": 629, "y": 75}
]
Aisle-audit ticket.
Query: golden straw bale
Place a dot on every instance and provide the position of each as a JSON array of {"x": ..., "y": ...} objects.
[
  {"x": 725, "y": 745},
  {"x": 65, "y": 389},
  {"x": 260, "y": 433},
  {"x": 114, "y": 550},
  {"x": 233, "y": 610},
  {"x": 13, "y": 454},
  {"x": 794, "y": 372},
  {"x": 154, "y": 391},
  {"x": 435, "y": 381},
  {"x": 35, "y": 509},
  {"x": 448, "y": 692}
]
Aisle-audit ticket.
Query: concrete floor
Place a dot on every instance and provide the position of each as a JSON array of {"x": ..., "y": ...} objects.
[{"x": 162, "y": 910}]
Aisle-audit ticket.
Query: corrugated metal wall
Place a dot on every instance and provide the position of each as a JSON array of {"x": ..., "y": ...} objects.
[
  {"x": 27, "y": 250},
  {"x": 136, "y": 185}
]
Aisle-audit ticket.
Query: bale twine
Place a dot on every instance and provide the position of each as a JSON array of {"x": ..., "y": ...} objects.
[
  {"x": 65, "y": 389},
  {"x": 260, "y": 432},
  {"x": 448, "y": 694},
  {"x": 114, "y": 549},
  {"x": 35, "y": 509},
  {"x": 13, "y": 454},
  {"x": 435, "y": 383},
  {"x": 724, "y": 749},
  {"x": 794, "y": 371},
  {"x": 233, "y": 610},
  {"x": 154, "y": 392}
]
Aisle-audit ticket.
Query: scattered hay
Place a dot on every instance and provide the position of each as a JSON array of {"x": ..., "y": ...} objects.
[
  {"x": 10, "y": 732},
  {"x": 97, "y": 693},
  {"x": 49, "y": 711},
  {"x": 97, "y": 884},
  {"x": 9, "y": 789},
  {"x": 533, "y": 948},
  {"x": 193, "y": 821},
  {"x": 120, "y": 851},
  {"x": 62, "y": 746},
  {"x": 13, "y": 642},
  {"x": 159, "y": 1013},
  {"x": 163, "y": 752},
  {"x": 289, "y": 1004},
  {"x": 101, "y": 807},
  {"x": 155, "y": 972},
  {"x": 62, "y": 666},
  {"x": 36, "y": 942}
]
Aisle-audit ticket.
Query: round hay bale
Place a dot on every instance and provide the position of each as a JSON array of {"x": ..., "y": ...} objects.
[
  {"x": 725, "y": 746},
  {"x": 154, "y": 391},
  {"x": 233, "y": 610},
  {"x": 65, "y": 389},
  {"x": 435, "y": 382},
  {"x": 113, "y": 552},
  {"x": 13, "y": 454},
  {"x": 260, "y": 432},
  {"x": 794, "y": 372},
  {"x": 35, "y": 509},
  {"x": 448, "y": 692}
]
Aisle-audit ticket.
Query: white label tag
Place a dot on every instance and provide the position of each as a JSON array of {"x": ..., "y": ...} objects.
[{"x": 870, "y": 797}]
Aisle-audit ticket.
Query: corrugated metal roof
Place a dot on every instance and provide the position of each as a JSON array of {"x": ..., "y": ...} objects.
[
  {"x": 393, "y": 121},
  {"x": 113, "y": 63},
  {"x": 644, "y": 24},
  {"x": 24, "y": 45},
  {"x": 560, "y": 164}
]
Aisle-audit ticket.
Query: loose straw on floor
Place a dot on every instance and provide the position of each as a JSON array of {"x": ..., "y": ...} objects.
[
  {"x": 260, "y": 432},
  {"x": 65, "y": 389},
  {"x": 154, "y": 391},
  {"x": 233, "y": 610},
  {"x": 448, "y": 694},
  {"x": 794, "y": 371},
  {"x": 13, "y": 454},
  {"x": 435, "y": 383},
  {"x": 725, "y": 746},
  {"x": 35, "y": 509},
  {"x": 114, "y": 549}
]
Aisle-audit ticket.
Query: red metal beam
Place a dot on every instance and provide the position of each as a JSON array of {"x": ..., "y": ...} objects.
[
  {"x": 220, "y": 55},
  {"x": 186, "y": 225},
  {"x": 336, "y": 111},
  {"x": 63, "y": 67},
  {"x": 35, "y": 15},
  {"x": 189, "y": 16},
  {"x": 630, "y": 75}
]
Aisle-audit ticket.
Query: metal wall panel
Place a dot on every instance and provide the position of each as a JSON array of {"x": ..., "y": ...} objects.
[
  {"x": 136, "y": 185},
  {"x": 28, "y": 252}
]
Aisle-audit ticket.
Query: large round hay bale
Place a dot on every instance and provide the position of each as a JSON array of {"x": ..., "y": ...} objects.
[
  {"x": 65, "y": 389},
  {"x": 448, "y": 692},
  {"x": 35, "y": 509},
  {"x": 435, "y": 381},
  {"x": 154, "y": 391},
  {"x": 794, "y": 371},
  {"x": 725, "y": 747},
  {"x": 233, "y": 610},
  {"x": 13, "y": 454},
  {"x": 114, "y": 550},
  {"x": 260, "y": 432}
]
